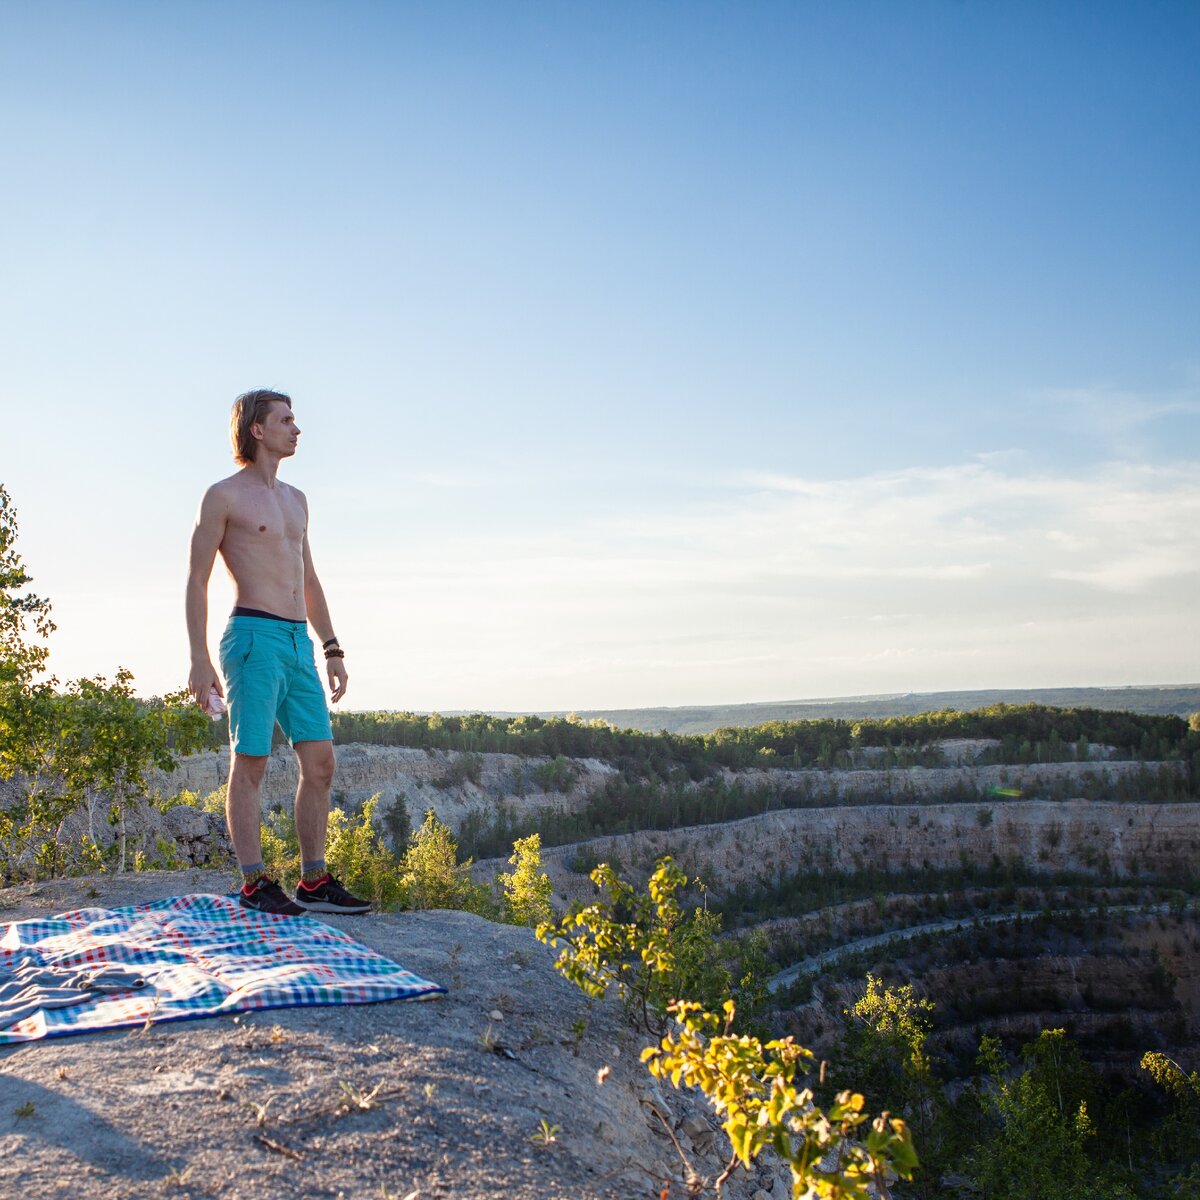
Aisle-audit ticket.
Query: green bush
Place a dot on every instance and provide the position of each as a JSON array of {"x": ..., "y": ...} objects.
[
  {"x": 356, "y": 854},
  {"x": 557, "y": 775},
  {"x": 432, "y": 877},
  {"x": 280, "y": 848},
  {"x": 644, "y": 946},
  {"x": 527, "y": 890},
  {"x": 462, "y": 768}
]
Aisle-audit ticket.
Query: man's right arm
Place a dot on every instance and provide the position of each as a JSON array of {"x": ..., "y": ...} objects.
[{"x": 206, "y": 539}]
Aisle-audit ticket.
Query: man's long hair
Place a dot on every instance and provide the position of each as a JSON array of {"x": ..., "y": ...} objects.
[{"x": 250, "y": 408}]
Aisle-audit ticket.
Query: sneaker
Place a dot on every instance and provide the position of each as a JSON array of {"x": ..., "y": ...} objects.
[
  {"x": 266, "y": 896},
  {"x": 327, "y": 895}
]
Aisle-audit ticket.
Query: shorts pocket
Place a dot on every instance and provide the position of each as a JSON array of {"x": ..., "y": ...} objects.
[{"x": 236, "y": 646}]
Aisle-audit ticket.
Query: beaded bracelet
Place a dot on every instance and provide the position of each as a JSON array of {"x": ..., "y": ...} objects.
[{"x": 337, "y": 652}]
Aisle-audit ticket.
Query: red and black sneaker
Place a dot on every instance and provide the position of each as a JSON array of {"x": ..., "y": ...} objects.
[
  {"x": 327, "y": 895},
  {"x": 266, "y": 896}
]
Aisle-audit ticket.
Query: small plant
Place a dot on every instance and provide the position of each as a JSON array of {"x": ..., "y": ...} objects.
[
  {"x": 280, "y": 847},
  {"x": 752, "y": 1086},
  {"x": 545, "y": 1134},
  {"x": 214, "y": 802},
  {"x": 357, "y": 1100},
  {"x": 259, "y": 1110},
  {"x": 462, "y": 768},
  {"x": 579, "y": 1028},
  {"x": 25, "y": 1110}
]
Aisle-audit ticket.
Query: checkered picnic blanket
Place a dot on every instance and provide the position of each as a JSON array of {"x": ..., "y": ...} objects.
[{"x": 201, "y": 956}]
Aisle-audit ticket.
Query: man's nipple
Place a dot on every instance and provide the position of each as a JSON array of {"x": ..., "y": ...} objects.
[{"x": 262, "y": 529}]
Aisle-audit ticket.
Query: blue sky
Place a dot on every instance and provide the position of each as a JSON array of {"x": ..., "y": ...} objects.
[{"x": 645, "y": 354}]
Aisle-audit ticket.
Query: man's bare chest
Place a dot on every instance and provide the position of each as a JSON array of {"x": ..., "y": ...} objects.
[{"x": 271, "y": 520}]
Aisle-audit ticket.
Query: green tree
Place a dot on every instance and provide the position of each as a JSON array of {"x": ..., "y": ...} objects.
[
  {"x": 89, "y": 747},
  {"x": 23, "y": 615},
  {"x": 882, "y": 1049},
  {"x": 431, "y": 875},
  {"x": 637, "y": 942},
  {"x": 358, "y": 856},
  {"x": 1043, "y": 1130},
  {"x": 107, "y": 740},
  {"x": 527, "y": 889},
  {"x": 1178, "y": 1136}
]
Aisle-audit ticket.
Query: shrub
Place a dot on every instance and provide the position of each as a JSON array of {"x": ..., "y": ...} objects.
[
  {"x": 650, "y": 951},
  {"x": 462, "y": 768},
  {"x": 752, "y": 1086},
  {"x": 557, "y": 775},
  {"x": 432, "y": 877},
  {"x": 280, "y": 847},
  {"x": 527, "y": 890},
  {"x": 358, "y": 857}
]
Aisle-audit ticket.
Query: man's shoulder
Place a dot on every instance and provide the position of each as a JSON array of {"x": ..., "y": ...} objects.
[
  {"x": 295, "y": 493},
  {"x": 223, "y": 493},
  {"x": 223, "y": 487}
]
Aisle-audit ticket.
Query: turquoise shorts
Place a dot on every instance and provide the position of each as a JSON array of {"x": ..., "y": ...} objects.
[{"x": 271, "y": 675}]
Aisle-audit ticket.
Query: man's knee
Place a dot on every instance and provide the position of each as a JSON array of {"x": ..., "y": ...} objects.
[
  {"x": 247, "y": 769},
  {"x": 317, "y": 763}
]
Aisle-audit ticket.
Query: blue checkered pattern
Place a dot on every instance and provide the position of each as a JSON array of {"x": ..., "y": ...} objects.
[{"x": 202, "y": 956}]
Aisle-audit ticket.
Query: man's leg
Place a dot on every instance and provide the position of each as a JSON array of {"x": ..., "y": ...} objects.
[
  {"x": 318, "y": 891},
  {"x": 312, "y": 797},
  {"x": 243, "y": 807}
]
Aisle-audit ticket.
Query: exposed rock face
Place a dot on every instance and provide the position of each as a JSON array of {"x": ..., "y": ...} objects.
[
  {"x": 436, "y": 779},
  {"x": 421, "y": 779},
  {"x": 1078, "y": 835},
  {"x": 907, "y": 784}
]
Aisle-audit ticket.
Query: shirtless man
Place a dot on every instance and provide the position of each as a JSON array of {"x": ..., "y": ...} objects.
[{"x": 260, "y": 527}]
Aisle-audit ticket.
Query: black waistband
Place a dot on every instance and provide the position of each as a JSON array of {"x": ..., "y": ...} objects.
[{"x": 258, "y": 612}]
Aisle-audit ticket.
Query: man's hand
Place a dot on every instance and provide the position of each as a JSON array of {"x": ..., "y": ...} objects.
[
  {"x": 336, "y": 669},
  {"x": 202, "y": 681}
]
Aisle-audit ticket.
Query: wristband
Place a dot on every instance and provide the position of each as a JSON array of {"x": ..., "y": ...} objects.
[{"x": 332, "y": 642}]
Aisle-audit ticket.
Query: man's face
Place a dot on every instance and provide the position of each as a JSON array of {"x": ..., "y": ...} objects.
[{"x": 279, "y": 432}]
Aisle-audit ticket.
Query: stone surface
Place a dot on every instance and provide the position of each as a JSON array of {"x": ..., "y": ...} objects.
[{"x": 253, "y": 1105}]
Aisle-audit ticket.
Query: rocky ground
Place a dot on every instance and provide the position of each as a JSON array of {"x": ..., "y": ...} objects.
[{"x": 408, "y": 1100}]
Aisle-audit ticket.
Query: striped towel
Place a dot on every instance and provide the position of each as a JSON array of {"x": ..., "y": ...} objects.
[{"x": 200, "y": 956}]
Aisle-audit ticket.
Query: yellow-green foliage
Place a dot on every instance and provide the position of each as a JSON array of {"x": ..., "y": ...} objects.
[
  {"x": 280, "y": 848},
  {"x": 358, "y": 857},
  {"x": 428, "y": 875},
  {"x": 353, "y": 849},
  {"x": 432, "y": 877},
  {"x": 1179, "y": 1134},
  {"x": 527, "y": 890},
  {"x": 650, "y": 953},
  {"x": 214, "y": 802},
  {"x": 753, "y": 1088}
]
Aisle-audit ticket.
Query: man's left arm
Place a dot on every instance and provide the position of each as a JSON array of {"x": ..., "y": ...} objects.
[{"x": 317, "y": 610}]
